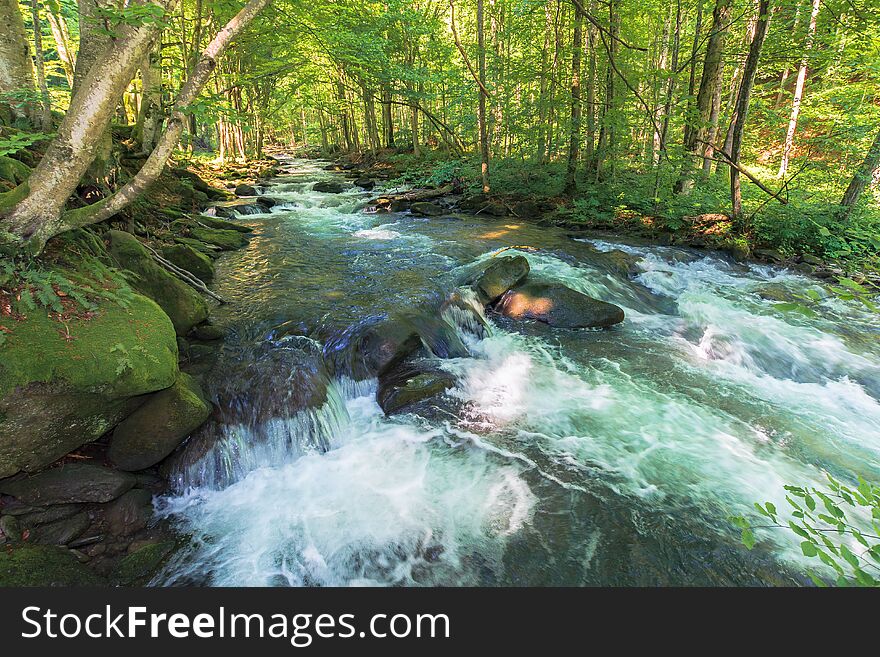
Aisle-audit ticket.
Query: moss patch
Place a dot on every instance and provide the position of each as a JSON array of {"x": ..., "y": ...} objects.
[
  {"x": 137, "y": 568},
  {"x": 40, "y": 565},
  {"x": 228, "y": 240}
]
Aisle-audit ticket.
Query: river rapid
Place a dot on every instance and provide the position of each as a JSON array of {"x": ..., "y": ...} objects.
[{"x": 569, "y": 457}]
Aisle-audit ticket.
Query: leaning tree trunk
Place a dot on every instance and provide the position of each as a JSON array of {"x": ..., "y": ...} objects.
[
  {"x": 16, "y": 67},
  {"x": 861, "y": 178},
  {"x": 45, "y": 114},
  {"x": 798, "y": 91},
  {"x": 742, "y": 105},
  {"x": 174, "y": 126},
  {"x": 38, "y": 216},
  {"x": 695, "y": 130}
]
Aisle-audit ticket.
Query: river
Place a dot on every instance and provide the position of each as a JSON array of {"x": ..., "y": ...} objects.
[{"x": 580, "y": 457}]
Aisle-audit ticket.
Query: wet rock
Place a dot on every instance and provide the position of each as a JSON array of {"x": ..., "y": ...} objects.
[
  {"x": 365, "y": 183},
  {"x": 201, "y": 247},
  {"x": 60, "y": 532},
  {"x": 41, "y": 565},
  {"x": 10, "y": 529},
  {"x": 426, "y": 209},
  {"x": 227, "y": 240},
  {"x": 193, "y": 261},
  {"x": 200, "y": 185},
  {"x": 234, "y": 210},
  {"x": 184, "y": 305},
  {"x": 51, "y": 514},
  {"x": 155, "y": 429},
  {"x": 495, "y": 209},
  {"x": 221, "y": 224},
  {"x": 207, "y": 333},
  {"x": 71, "y": 482},
  {"x": 245, "y": 190},
  {"x": 558, "y": 306},
  {"x": 811, "y": 259},
  {"x": 409, "y": 386},
  {"x": 776, "y": 292},
  {"x": 130, "y": 513},
  {"x": 619, "y": 262},
  {"x": 501, "y": 275},
  {"x": 328, "y": 187},
  {"x": 527, "y": 210},
  {"x": 770, "y": 255}
]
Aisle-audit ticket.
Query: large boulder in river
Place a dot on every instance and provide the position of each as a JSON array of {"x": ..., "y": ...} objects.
[
  {"x": 501, "y": 275},
  {"x": 245, "y": 190},
  {"x": 365, "y": 183},
  {"x": 155, "y": 429},
  {"x": 226, "y": 240},
  {"x": 70, "y": 483},
  {"x": 328, "y": 187},
  {"x": 183, "y": 304},
  {"x": 64, "y": 384},
  {"x": 558, "y": 306}
]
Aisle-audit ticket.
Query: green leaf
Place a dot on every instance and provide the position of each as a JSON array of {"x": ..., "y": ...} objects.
[
  {"x": 809, "y": 549},
  {"x": 748, "y": 538}
]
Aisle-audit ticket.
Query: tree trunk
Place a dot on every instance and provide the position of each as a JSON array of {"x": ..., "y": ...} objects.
[
  {"x": 481, "y": 109},
  {"x": 742, "y": 104},
  {"x": 799, "y": 91},
  {"x": 387, "y": 117},
  {"x": 16, "y": 67},
  {"x": 861, "y": 178},
  {"x": 45, "y": 115},
  {"x": 38, "y": 216},
  {"x": 696, "y": 128},
  {"x": 574, "y": 141},
  {"x": 61, "y": 36},
  {"x": 149, "y": 120}
]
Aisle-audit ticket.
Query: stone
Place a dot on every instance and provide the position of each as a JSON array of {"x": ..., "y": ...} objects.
[
  {"x": 60, "y": 532},
  {"x": 222, "y": 224},
  {"x": 50, "y": 514},
  {"x": 558, "y": 306},
  {"x": 770, "y": 255},
  {"x": 408, "y": 387},
  {"x": 183, "y": 304},
  {"x": 365, "y": 183},
  {"x": 158, "y": 427},
  {"x": 245, "y": 190},
  {"x": 619, "y": 262},
  {"x": 328, "y": 187},
  {"x": 226, "y": 240},
  {"x": 811, "y": 259},
  {"x": 10, "y": 529},
  {"x": 70, "y": 482},
  {"x": 207, "y": 333},
  {"x": 188, "y": 258},
  {"x": 426, "y": 209},
  {"x": 501, "y": 275},
  {"x": 43, "y": 565},
  {"x": 130, "y": 513},
  {"x": 142, "y": 563}
]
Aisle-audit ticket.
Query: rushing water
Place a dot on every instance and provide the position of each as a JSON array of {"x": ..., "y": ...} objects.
[{"x": 568, "y": 457}]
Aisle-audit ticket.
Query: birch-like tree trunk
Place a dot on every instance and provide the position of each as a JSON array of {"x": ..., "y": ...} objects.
[
  {"x": 16, "y": 67},
  {"x": 45, "y": 113},
  {"x": 61, "y": 36},
  {"x": 799, "y": 90}
]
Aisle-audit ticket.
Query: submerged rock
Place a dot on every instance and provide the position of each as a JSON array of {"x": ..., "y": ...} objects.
[
  {"x": 426, "y": 209},
  {"x": 70, "y": 482},
  {"x": 184, "y": 305},
  {"x": 410, "y": 386},
  {"x": 155, "y": 429},
  {"x": 188, "y": 258},
  {"x": 501, "y": 275},
  {"x": 558, "y": 306},
  {"x": 328, "y": 187}
]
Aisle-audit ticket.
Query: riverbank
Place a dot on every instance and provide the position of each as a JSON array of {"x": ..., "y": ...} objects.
[{"x": 105, "y": 340}]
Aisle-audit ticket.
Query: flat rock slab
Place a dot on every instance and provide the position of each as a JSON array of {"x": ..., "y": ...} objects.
[{"x": 71, "y": 482}]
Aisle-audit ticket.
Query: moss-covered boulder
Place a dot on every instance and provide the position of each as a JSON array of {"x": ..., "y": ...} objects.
[
  {"x": 501, "y": 275},
  {"x": 42, "y": 565},
  {"x": 193, "y": 261},
  {"x": 139, "y": 566},
  {"x": 66, "y": 383},
  {"x": 222, "y": 224},
  {"x": 184, "y": 305},
  {"x": 155, "y": 429},
  {"x": 13, "y": 171},
  {"x": 228, "y": 240},
  {"x": 206, "y": 249}
]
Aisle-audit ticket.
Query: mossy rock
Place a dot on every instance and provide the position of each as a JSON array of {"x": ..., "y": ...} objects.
[
  {"x": 42, "y": 565},
  {"x": 201, "y": 247},
  {"x": 13, "y": 171},
  {"x": 186, "y": 257},
  {"x": 63, "y": 384},
  {"x": 155, "y": 429},
  {"x": 184, "y": 306},
  {"x": 228, "y": 240},
  {"x": 139, "y": 567},
  {"x": 222, "y": 224}
]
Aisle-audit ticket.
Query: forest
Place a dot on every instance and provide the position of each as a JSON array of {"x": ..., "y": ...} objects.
[{"x": 222, "y": 221}]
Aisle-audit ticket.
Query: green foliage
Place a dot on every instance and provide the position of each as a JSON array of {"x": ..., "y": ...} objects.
[
  {"x": 839, "y": 526},
  {"x": 10, "y": 144},
  {"x": 133, "y": 15}
]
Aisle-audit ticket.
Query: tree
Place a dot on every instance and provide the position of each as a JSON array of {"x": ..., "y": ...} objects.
[
  {"x": 574, "y": 141},
  {"x": 862, "y": 177},
  {"x": 696, "y": 128},
  {"x": 799, "y": 90},
  {"x": 45, "y": 114},
  {"x": 742, "y": 105},
  {"x": 16, "y": 67}
]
